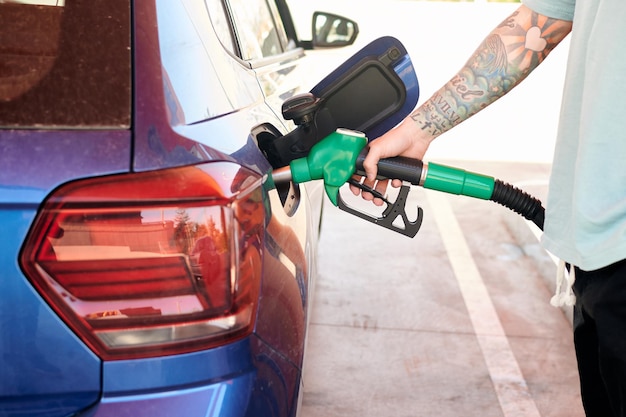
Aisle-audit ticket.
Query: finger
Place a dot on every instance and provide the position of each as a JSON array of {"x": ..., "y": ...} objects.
[
  {"x": 381, "y": 188},
  {"x": 356, "y": 190},
  {"x": 373, "y": 197},
  {"x": 379, "y": 196},
  {"x": 371, "y": 184}
]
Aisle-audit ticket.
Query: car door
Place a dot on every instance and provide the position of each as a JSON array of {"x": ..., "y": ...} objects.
[{"x": 262, "y": 43}]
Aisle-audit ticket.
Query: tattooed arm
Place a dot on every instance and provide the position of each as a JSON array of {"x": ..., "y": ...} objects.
[
  {"x": 512, "y": 50},
  {"x": 506, "y": 56}
]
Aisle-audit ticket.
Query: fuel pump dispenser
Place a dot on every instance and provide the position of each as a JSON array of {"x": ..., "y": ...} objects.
[
  {"x": 366, "y": 96},
  {"x": 336, "y": 158}
]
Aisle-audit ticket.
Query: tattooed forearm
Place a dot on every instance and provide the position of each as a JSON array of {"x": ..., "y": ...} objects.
[
  {"x": 516, "y": 47},
  {"x": 459, "y": 84}
]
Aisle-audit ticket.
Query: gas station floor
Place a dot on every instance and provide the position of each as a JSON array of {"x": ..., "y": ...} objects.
[{"x": 454, "y": 322}]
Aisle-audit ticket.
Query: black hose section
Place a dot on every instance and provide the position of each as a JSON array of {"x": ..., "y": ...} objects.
[{"x": 519, "y": 201}]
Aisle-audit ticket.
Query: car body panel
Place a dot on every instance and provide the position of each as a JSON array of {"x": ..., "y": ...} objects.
[
  {"x": 57, "y": 156},
  {"x": 60, "y": 374},
  {"x": 228, "y": 136},
  {"x": 165, "y": 133},
  {"x": 47, "y": 369},
  {"x": 220, "y": 399}
]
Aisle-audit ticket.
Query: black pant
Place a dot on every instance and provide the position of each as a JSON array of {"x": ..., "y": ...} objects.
[{"x": 600, "y": 339}]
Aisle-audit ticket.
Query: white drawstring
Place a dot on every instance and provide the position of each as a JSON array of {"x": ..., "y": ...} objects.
[{"x": 564, "y": 296}]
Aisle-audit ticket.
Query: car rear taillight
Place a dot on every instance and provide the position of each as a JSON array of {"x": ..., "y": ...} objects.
[{"x": 152, "y": 263}]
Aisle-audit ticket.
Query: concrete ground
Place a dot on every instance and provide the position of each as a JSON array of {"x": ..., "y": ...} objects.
[{"x": 454, "y": 322}]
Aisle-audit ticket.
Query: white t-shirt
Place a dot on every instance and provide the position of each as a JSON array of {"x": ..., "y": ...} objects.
[{"x": 586, "y": 208}]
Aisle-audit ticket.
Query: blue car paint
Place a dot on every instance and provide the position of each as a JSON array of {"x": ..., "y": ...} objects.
[
  {"x": 212, "y": 383},
  {"x": 53, "y": 373},
  {"x": 219, "y": 399},
  {"x": 59, "y": 374},
  {"x": 248, "y": 381},
  {"x": 277, "y": 346},
  {"x": 192, "y": 369}
]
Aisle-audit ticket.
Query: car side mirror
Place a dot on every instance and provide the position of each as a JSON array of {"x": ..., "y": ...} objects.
[{"x": 333, "y": 31}]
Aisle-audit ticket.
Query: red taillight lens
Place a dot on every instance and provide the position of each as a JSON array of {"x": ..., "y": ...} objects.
[{"x": 152, "y": 263}]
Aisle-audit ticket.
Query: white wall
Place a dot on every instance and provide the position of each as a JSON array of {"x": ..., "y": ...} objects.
[{"x": 440, "y": 36}]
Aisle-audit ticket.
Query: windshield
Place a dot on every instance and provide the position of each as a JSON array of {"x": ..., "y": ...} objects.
[{"x": 65, "y": 64}]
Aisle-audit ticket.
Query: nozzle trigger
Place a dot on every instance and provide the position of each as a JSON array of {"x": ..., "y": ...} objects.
[
  {"x": 365, "y": 188},
  {"x": 391, "y": 212}
]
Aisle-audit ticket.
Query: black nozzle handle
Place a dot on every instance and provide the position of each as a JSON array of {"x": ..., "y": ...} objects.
[
  {"x": 412, "y": 170},
  {"x": 398, "y": 167}
]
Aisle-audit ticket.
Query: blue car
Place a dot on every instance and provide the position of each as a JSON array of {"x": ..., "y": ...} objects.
[{"x": 146, "y": 269}]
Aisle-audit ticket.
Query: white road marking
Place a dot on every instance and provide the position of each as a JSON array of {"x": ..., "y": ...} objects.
[{"x": 509, "y": 383}]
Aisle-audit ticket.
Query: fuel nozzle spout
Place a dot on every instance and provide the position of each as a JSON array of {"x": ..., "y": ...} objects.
[{"x": 282, "y": 175}]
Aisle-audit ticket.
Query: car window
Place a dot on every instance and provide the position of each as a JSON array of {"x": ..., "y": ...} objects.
[
  {"x": 259, "y": 29},
  {"x": 219, "y": 20},
  {"x": 193, "y": 87},
  {"x": 65, "y": 63},
  {"x": 278, "y": 23}
]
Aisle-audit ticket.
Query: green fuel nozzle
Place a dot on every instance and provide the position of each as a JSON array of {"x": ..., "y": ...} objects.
[
  {"x": 333, "y": 159},
  {"x": 340, "y": 155}
]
